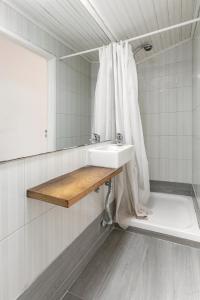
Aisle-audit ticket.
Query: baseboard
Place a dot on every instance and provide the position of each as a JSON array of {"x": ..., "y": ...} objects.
[
  {"x": 171, "y": 187},
  {"x": 60, "y": 275}
]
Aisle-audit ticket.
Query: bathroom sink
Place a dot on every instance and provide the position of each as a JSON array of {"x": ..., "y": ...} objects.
[{"x": 110, "y": 156}]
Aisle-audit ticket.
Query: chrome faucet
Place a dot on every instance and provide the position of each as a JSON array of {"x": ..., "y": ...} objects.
[
  {"x": 119, "y": 139},
  {"x": 96, "y": 138}
]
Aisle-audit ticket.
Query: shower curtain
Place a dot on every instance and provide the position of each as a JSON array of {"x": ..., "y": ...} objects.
[
  {"x": 116, "y": 110},
  {"x": 104, "y": 109}
]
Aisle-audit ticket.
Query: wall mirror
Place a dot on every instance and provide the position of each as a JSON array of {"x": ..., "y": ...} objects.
[{"x": 46, "y": 104}]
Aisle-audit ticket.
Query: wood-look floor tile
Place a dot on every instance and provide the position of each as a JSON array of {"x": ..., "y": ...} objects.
[
  {"x": 69, "y": 296},
  {"x": 156, "y": 273},
  {"x": 132, "y": 266},
  {"x": 93, "y": 276},
  {"x": 186, "y": 273},
  {"x": 116, "y": 264},
  {"x": 121, "y": 280},
  {"x": 170, "y": 272}
]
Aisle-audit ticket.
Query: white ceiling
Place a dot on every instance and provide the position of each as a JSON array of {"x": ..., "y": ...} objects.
[{"x": 109, "y": 20}]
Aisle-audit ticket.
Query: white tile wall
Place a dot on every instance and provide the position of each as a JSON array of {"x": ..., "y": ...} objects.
[
  {"x": 74, "y": 103},
  {"x": 11, "y": 189},
  {"x": 94, "y": 73},
  {"x": 12, "y": 265},
  {"x": 165, "y": 98},
  {"x": 196, "y": 118},
  {"x": 47, "y": 236},
  {"x": 34, "y": 233}
]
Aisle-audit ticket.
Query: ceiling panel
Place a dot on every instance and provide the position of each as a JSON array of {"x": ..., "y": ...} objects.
[
  {"x": 71, "y": 21},
  {"x": 68, "y": 19},
  {"x": 129, "y": 18}
]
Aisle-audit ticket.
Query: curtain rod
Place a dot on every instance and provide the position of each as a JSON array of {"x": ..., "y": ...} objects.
[{"x": 137, "y": 37}]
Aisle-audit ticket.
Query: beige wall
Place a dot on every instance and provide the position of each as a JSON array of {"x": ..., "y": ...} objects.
[{"x": 23, "y": 101}]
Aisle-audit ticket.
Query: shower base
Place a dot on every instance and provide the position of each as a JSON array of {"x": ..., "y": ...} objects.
[{"x": 170, "y": 214}]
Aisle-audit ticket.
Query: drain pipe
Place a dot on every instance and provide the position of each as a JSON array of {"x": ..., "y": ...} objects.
[{"x": 107, "y": 215}]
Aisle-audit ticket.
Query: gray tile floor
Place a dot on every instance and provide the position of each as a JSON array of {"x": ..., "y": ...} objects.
[{"x": 132, "y": 266}]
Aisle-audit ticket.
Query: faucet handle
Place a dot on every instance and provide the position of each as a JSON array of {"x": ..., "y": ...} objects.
[
  {"x": 96, "y": 138},
  {"x": 119, "y": 138}
]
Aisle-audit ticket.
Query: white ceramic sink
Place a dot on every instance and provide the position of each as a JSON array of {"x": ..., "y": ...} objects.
[{"x": 110, "y": 155}]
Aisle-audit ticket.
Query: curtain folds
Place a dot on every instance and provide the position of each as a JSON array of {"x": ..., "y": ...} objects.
[
  {"x": 116, "y": 110},
  {"x": 104, "y": 109}
]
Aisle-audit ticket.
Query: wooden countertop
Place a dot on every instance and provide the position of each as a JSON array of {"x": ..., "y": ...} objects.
[{"x": 67, "y": 189}]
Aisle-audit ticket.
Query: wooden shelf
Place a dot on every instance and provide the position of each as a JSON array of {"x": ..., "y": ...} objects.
[{"x": 67, "y": 189}]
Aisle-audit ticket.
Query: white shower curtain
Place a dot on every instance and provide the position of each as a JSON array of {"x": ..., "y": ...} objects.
[
  {"x": 104, "y": 109},
  {"x": 116, "y": 110}
]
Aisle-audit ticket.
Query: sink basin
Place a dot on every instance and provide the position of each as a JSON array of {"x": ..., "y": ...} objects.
[{"x": 110, "y": 156}]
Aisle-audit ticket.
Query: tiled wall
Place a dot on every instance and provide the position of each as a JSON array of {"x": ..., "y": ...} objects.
[
  {"x": 94, "y": 73},
  {"x": 165, "y": 97},
  {"x": 196, "y": 118},
  {"x": 34, "y": 233},
  {"x": 74, "y": 103}
]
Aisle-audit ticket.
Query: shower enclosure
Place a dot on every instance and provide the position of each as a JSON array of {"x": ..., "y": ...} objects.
[
  {"x": 169, "y": 106},
  {"x": 168, "y": 88}
]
